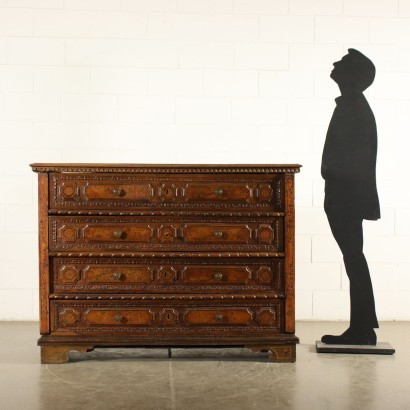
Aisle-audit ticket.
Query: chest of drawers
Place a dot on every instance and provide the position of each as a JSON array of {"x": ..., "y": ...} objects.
[{"x": 166, "y": 255}]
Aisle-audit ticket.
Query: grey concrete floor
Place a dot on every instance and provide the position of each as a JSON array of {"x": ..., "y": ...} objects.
[{"x": 205, "y": 378}]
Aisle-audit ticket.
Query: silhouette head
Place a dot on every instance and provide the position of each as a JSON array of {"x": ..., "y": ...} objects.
[{"x": 354, "y": 72}]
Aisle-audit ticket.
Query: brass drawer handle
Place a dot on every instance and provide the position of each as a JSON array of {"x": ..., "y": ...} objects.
[
  {"x": 117, "y": 192},
  {"x": 117, "y": 275},
  {"x": 218, "y": 234},
  {"x": 218, "y": 191},
  {"x": 118, "y": 234},
  {"x": 218, "y": 276},
  {"x": 219, "y": 317},
  {"x": 118, "y": 318}
]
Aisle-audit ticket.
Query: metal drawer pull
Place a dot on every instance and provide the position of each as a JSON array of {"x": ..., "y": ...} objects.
[
  {"x": 219, "y": 317},
  {"x": 219, "y": 191},
  {"x": 118, "y": 318},
  {"x": 218, "y": 234},
  {"x": 117, "y": 192},
  {"x": 117, "y": 234},
  {"x": 117, "y": 275},
  {"x": 218, "y": 276}
]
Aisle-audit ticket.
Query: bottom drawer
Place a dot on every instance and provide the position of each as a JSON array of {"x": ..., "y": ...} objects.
[{"x": 90, "y": 317}]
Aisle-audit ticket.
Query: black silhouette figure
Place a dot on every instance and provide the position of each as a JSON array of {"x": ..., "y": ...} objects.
[{"x": 349, "y": 171}]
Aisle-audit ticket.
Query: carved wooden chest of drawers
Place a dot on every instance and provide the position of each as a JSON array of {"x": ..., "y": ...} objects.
[{"x": 166, "y": 255}]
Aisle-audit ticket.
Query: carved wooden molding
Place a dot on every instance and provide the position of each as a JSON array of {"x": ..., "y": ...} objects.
[
  {"x": 166, "y": 212},
  {"x": 43, "y": 252},
  {"x": 197, "y": 297},
  {"x": 290, "y": 255},
  {"x": 168, "y": 169},
  {"x": 174, "y": 261},
  {"x": 159, "y": 254}
]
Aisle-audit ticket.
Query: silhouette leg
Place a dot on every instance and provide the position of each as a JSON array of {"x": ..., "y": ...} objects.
[
  {"x": 362, "y": 305},
  {"x": 348, "y": 233}
]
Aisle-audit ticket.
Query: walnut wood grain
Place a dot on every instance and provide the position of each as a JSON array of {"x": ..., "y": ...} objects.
[
  {"x": 157, "y": 233},
  {"x": 279, "y": 353},
  {"x": 176, "y": 275},
  {"x": 133, "y": 192},
  {"x": 59, "y": 354},
  {"x": 170, "y": 234},
  {"x": 290, "y": 254},
  {"x": 43, "y": 251},
  {"x": 161, "y": 317},
  {"x": 166, "y": 255}
]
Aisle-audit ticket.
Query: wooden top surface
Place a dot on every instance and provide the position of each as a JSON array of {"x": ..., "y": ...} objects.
[{"x": 167, "y": 168}]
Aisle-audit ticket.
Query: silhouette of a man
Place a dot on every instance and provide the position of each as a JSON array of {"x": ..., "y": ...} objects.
[{"x": 349, "y": 171}]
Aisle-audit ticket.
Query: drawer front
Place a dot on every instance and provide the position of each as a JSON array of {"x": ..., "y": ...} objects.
[
  {"x": 165, "y": 192},
  {"x": 90, "y": 317},
  {"x": 207, "y": 233},
  {"x": 216, "y": 316},
  {"x": 218, "y": 192},
  {"x": 115, "y": 275},
  {"x": 142, "y": 233}
]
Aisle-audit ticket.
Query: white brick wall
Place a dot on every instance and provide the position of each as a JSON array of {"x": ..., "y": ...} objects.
[
  {"x": 330, "y": 29},
  {"x": 93, "y": 52},
  {"x": 203, "y": 81},
  {"x": 287, "y": 29},
  {"x": 370, "y": 8},
  {"x": 33, "y": 51},
  {"x": 316, "y": 7},
  {"x": 261, "y": 56}
]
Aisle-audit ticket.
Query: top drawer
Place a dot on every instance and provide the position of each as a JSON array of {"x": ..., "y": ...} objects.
[{"x": 130, "y": 192}]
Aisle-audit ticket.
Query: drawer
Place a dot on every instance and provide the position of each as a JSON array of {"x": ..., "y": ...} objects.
[
  {"x": 164, "y": 192},
  {"x": 88, "y": 317},
  {"x": 149, "y": 233},
  {"x": 190, "y": 275}
]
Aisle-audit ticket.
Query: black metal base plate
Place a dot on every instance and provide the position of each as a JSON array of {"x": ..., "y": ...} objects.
[{"x": 379, "y": 348}]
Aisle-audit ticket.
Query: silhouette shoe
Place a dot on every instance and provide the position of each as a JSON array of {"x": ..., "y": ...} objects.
[{"x": 350, "y": 337}]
